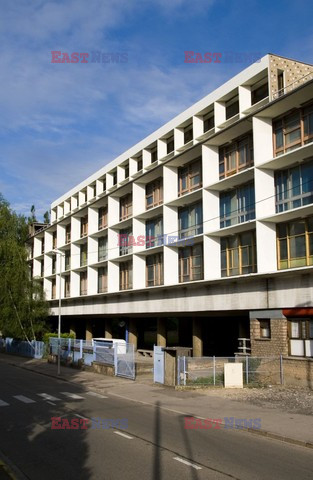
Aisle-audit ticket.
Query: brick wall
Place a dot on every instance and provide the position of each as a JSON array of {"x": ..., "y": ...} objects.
[{"x": 276, "y": 345}]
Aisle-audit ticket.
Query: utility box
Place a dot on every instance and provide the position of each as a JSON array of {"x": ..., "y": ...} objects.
[
  {"x": 171, "y": 355},
  {"x": 233, "y": 375}
]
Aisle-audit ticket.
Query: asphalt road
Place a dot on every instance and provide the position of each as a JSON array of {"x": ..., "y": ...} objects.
[{"x": 154, "y": 446}]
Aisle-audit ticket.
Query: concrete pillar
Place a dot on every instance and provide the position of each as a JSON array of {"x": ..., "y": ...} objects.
[
  {"x": 108, "y": 328},
  {"x": 88, "y": 330},
  {"x": 161, "y": 332},
  {"x": 73, "y": 329},
  {"x": 197, "y": 339},
  {"x": 132, "y": 332}
]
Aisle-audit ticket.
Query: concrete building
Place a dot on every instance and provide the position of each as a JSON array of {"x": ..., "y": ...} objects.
[{"x": 200, "y": 235}]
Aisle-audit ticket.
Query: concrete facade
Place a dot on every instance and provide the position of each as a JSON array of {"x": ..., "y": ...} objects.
[{"x": 210, "y": 175}]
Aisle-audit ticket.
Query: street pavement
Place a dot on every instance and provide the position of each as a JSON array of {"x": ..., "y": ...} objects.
[{"x": 155, "y": 445}]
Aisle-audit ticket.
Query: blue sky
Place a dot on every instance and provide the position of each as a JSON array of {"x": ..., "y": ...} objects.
[{"x": 59, "y": 123}]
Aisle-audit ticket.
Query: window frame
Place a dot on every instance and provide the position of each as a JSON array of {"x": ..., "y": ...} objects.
[
  {"x": 102, "y": 217},
  {"x": 229, "y": 251},
  {"x": 294, "y": 261},
  {"x": 185, "y": 263},
  {"x": 84, "y": 226},
  {"x": 157, "y": 269},
  {"x": 187, "y": 172},
  {"x": 234, "y": 147},
  {"x": 126, "y": 275},
  {"x": 156, "y": 194},
  {"x": 126, "y": 207},
  {"x": 102, "y": 286}
]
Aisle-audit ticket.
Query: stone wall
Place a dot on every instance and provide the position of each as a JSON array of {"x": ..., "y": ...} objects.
[
  {"x": 295, "y": 74},
  {"x": 298, "y": 372}
]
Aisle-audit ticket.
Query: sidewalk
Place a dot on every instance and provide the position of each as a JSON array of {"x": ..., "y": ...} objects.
[{"x": 289, "y": 427}]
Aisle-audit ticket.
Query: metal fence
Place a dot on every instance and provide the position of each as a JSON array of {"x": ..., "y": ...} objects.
[
  {"x": 33, "y": 349},
  {"x": 210, "y": 370},
  {"x": 121, "y": 357}
]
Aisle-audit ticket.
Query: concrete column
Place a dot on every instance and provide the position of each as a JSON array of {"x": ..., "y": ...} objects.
[
  {"x": 132, "y": 332},
  {"x": 88, "y": 330},
  {"x": 161, "y": 332},
  {"x": 197, "y": 340},
  {"x": 108, "y": 329}
]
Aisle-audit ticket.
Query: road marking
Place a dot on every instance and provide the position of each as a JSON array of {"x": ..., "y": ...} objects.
[
  {"x": 45, "y": 396},
  {"x": 72, "y": 395},
  {"x": 123, "y": 434},
  {"x": 23, "y": 399},
  {"x": 51, "y": 403},
  {"x": 3, "y": 404},
  {"x": 80, "y": 416},
  {"x": 187, "y": 463},
  {"x": 94, "y": 394}
]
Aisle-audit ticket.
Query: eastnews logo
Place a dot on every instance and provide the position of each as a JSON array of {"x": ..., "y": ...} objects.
[
  {"x": 59, "y": 423},
  {"x": 85, "y": 57},
  {"x": 192, "y": 423},
  {"x": 222, "y": 57}
]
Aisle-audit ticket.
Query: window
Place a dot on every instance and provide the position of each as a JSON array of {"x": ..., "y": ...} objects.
[
  {"x": 154, "y": 270},
  {"x": 67, "y": 260},
  {"x": 126, "y": 171},
  {"x": 102, "y": 279},
  {"x": 139, "y": 163},
  {"x": 114, "y": 175},
  {"x": 170, "y": 144},
  {"x": 265, "y": 328},
  {"x": 84, "y": 226},
  {"x": 294, "y": 187},
  {"x": 53, "y": 289},
  {"x": 124, "y": 235},
  {"x": 154, "y": 154},
  {"x": 300, "y": 328},
  {"x": 126, "y": 276},
  {"x": 238, "y": 254},
  {"x": 42, "y": 246},
  {"x": 257, "y": 94},
  {"x": 42, "y": 268},
  {"x": 154, "y": 193},
  {"x": 67, "y": 233},
  {"x": 189, "y": 177},
  {"x": 102, "y": 249},
  {"x": 83, "y": 255},
  {"x": 83, "y": 283},
  {"x": 154, "y": 232},
  {"x": 103, "y": 218},
  {"x": 190, "y": 220},
  {"x": 54, "y": 240},
  {"x": 67, "y": 286},
  {"x": 293, "y": 130},
  {"x": 54, "y": 265},
  {"x": 280, "y": 82},
  {"x": 295, "y": 243},
  {"x": 237, "y": 206},
  {"x": 236, "y": 157},
  {"x": 232, "y": 107},
  {"x": 188, "y": 133},
  {"x": 208, "y": 122},
  {"x": 126, "y": 207},
  {"x": 191, "y": 263}
]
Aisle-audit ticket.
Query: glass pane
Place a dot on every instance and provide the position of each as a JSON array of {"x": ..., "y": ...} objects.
[
  {"x": 283, "y": 249},
  {"x": 279, "y": 138},
  {"x": 297, "y": 228},
  {"x": 297, "y": 247},
  {"x": 295, "y": 330}
]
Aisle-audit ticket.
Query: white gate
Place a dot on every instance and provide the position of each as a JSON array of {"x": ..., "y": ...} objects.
[
  {"x": 125, "y": 362},
  {"x": 158, "y": 367}
]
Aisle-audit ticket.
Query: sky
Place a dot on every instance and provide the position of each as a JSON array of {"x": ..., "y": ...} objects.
[{"x": 61, "y": 122}]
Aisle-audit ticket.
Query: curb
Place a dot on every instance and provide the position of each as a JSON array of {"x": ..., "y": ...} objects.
[{"x": 262, "y": 433}]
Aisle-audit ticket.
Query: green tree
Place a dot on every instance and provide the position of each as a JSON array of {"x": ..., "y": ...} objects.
[
  {"x": 32, "y": 217},
  {"x": 46, "y": 217},
  {"x": 23, "y": 308}
]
